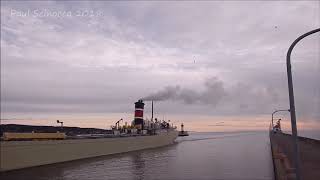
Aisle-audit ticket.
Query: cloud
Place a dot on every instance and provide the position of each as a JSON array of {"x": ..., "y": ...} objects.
[{"x": 167, "y": 50}]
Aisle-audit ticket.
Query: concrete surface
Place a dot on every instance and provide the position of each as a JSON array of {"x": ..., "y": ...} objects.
[{"x": 282, "y": 152}]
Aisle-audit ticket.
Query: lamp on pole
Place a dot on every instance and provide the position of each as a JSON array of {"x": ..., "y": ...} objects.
[
  {"x": 276, "y": 112},
  {"x": 60, "y": 123},
  {"x": 292, "y": 106}
]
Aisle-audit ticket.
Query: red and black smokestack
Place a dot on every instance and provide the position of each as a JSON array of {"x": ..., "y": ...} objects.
[{"x": 138, "y": 114}]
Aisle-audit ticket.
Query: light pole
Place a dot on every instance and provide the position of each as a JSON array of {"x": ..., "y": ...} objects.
[
  {"x": 276, "y": 112},
  {"x": 60, "y": 123},
  {"x": 292, "y": 107}
]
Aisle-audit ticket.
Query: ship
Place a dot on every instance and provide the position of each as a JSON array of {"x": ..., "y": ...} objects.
[{"x": 28, "y": 149}]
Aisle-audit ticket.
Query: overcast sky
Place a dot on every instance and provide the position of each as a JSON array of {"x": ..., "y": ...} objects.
[{"x": 217, "y": 58}]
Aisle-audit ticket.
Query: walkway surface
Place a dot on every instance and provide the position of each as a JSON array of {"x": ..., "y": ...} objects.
[{"x": 282, "y": 147}]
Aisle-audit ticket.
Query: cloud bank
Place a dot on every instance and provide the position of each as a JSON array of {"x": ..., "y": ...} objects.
[{"x": 200, "y": 55}]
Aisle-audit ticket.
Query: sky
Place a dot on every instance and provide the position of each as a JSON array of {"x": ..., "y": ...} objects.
[{"x": 217, "y": 65}]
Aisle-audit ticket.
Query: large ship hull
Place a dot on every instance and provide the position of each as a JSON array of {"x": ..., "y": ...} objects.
[{"x": 23, "y": 154}]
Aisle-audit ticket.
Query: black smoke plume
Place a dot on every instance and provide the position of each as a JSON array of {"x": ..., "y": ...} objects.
[{"x": 211, "y": 94}]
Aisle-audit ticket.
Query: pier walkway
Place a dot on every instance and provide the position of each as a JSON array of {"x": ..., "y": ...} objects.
[{"x": 282, "y": 152}]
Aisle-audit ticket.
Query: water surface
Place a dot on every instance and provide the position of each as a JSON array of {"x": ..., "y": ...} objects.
[{"x": 216, "y": 156}]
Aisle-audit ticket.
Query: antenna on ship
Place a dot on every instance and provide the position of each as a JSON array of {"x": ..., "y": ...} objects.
[{"x": 152, "y": 110}]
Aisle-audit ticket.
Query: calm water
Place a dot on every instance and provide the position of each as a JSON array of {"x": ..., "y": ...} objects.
[{"x": 228, "y": 156}]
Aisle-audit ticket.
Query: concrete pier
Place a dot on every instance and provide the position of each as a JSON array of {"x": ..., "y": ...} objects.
[{"x": 282, "y": 153}]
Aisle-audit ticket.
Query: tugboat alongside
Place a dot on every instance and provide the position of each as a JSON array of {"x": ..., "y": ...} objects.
[
  {"x": 21, "y": 149},
  {"x": 182, "y": 132}
]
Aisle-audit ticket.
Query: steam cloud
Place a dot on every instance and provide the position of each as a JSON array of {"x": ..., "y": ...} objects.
[{"x": 213, "y": 92}]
